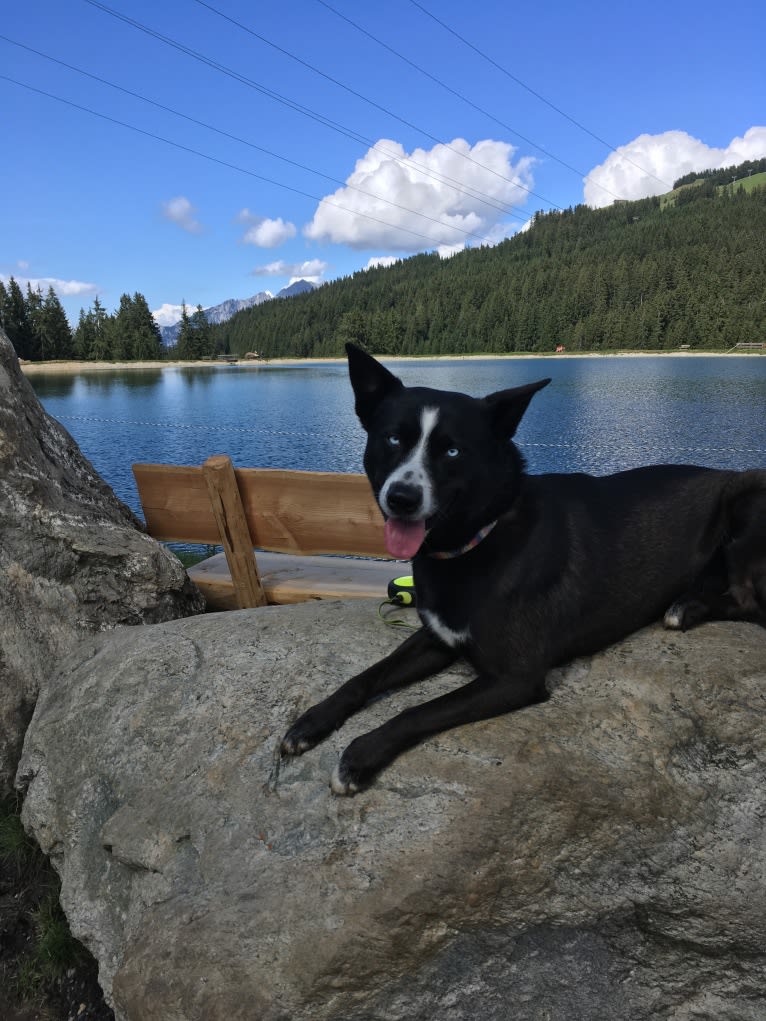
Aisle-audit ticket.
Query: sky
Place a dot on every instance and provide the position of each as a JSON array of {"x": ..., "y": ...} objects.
[{"x": 196, "y": 151}]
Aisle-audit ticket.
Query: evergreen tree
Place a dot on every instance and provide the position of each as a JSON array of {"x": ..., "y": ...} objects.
[
  {"x": 83, "y": 336},
  {"x": 184, "y": 344},
  {"x": 17, "y": 324},
  {"x": 99, "y": 329},
  {"x": 123, "y": 331},
  {"x": 33, "y": 304},
  {"x": 147, "y": 339},
  {"x": 55, "y": 330},
  {"x": 3, "y": 303},
  {"x": 201, "y": 340}
]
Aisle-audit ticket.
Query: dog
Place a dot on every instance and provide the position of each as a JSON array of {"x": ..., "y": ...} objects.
[{"x": 519, "y": 573}]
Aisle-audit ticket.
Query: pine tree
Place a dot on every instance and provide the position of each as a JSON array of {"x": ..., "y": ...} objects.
[
  {"x": 54, "y": 328},
  {"x": 4, "y": 299},
  {"x": 83, "y": 336},
  {"x": 147, "y": 339},
  {"x": 100, "y": 331},
  {"x": 201, "y": 342},
  {"x": 184, "y": 344},
  {"x": 123, "y": 331},
  {"x": 33, "y": 303}
]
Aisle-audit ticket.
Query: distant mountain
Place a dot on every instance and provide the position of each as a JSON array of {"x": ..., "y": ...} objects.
[
  {"x": 299, "y": 287},
  {"x": 221, "y": 313}
]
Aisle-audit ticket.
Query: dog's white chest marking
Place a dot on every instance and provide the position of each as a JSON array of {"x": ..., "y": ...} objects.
[
  {"x": 415, "y": 469},
  {"x": 440, "y": 629}
]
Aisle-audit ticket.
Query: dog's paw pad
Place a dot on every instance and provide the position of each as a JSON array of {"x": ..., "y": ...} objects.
[{"x": 342, "y": 784}]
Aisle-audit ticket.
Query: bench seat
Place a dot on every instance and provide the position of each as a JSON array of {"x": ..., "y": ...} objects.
[{"x": 287, "y": 578}]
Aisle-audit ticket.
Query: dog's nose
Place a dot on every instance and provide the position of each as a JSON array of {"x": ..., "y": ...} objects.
[{"x": 404, "y": 498}]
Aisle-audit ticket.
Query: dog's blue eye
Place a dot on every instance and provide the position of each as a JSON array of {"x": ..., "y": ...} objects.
[
  {"x": 452, "y": 452},
  {"x": 393, "y": 440}
]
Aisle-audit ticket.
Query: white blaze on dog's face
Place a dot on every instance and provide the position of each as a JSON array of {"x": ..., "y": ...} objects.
[{"x": 407, "y": 497}]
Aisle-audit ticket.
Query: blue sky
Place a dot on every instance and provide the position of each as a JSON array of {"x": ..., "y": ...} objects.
[{"x": 395, "y": 133}]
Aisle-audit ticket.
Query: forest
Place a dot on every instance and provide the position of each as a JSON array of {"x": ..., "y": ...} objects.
[
  {"x": 38, "y": 328},
  {"x": 687, "y": 268},
  {"x": 683, "y": 269}
]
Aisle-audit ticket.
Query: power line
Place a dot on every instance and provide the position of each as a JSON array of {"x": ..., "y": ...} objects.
[
  {"x": 215, "y": 159},
  {"x": 297, "y": 107},
  {"x": 531, "y": 91},
  {"x": 459, "y": 95},
  {"x": 305, "y": 111},
  {"x": 366, "y": 99},
  {"x": 236, "y": 138}
]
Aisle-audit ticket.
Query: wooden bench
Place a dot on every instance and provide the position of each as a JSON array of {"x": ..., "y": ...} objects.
[{"x": 292, "y": 519}]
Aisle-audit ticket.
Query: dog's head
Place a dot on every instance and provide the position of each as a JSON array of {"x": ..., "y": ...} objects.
[{"x": 439, "y": 463}]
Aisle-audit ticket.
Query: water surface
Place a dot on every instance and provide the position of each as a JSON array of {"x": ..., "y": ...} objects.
[{"x": 598, "y": 415}]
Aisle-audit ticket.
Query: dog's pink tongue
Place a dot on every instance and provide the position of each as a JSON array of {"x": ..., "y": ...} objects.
[{"x": 404, "y": 538}]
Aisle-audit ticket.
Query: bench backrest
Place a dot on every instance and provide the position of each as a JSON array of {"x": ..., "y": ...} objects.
[{"x": 286, "y": 511}]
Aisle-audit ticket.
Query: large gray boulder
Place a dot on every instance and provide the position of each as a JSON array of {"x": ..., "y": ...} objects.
[
  {"x": 73, "y": 558},
  {"x": 600, "y": 856}
]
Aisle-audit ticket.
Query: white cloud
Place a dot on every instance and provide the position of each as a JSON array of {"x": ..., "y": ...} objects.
[
  {"x": 447, "y": 251},
  {"x": 263, "y": 232},
  {"x": 311, "y": 269},
  {"x": 631, "y": 171},
  {"x": 63, "y": 288},
  {"x": 180, "y": 211},
  {"x": 463, "y": 188},
  {"x": 168, "y": 315},
  {"x": 381, "y": 260}
]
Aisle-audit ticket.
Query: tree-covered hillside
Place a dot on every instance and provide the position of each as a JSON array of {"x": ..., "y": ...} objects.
[{"x": 636, "y": 275}]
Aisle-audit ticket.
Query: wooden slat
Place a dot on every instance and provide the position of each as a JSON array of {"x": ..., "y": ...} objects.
[
  {"x": 286, "y": 511},
  {"x": 176, "y": 503},
  {"x": 294, "y": 579},
  {"x": 233, "y": 530}
]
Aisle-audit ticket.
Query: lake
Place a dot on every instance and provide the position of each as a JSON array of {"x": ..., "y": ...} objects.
[{"x": 598, "y": 415}]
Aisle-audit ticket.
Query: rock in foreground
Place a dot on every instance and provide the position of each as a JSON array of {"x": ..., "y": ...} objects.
[
  {"x": 73, "y": 558},
  {"x": 601, "y": 856}
]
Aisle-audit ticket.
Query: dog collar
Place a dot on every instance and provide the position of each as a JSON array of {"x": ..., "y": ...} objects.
[{"x": 451, "y": 554}]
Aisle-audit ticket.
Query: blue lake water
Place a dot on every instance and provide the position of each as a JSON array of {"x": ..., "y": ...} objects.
[{"x": 598, "y": 415}]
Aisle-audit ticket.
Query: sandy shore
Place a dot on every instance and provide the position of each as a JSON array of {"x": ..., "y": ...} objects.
[{"x": 68, "y": 367}]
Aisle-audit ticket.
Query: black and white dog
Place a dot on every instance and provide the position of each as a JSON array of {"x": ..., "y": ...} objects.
[{"x": 518, "y": 573}]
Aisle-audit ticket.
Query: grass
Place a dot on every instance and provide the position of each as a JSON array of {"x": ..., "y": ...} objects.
[
  {"x": 747, "y": 184},
  {"x": 44, "y": 971}
]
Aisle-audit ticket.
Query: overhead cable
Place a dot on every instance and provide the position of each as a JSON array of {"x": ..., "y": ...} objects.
[
  {"x": 236, "y": 138},
  {"x": 532, "y": 91},
  {"x": 220, "y": 162}
]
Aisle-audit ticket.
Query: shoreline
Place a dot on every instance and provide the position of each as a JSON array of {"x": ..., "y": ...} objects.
[{"x": 75, "y": 367}]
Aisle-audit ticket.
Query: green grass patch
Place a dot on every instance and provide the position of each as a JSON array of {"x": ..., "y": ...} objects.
[
  {"x": 747, "y": 184},
  {"x": 44, "y": 971}
]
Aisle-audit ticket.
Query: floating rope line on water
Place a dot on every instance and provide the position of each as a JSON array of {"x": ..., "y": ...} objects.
[
  {"x": 95, "y": 420},
  {"x": 201, "y": 427}
]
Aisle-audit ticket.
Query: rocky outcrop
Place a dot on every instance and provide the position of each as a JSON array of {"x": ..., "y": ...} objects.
[
  {"x": 73, "y": 559},
  {"x": 600, "y": 856}
]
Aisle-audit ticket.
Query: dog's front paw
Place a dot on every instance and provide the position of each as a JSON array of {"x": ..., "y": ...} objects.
[
  {"x": 357, "y": 768},
  {"x": 674, "y": 617},
  {"x": 684, "y": 614},
  {"x": 307, "y": 731}
]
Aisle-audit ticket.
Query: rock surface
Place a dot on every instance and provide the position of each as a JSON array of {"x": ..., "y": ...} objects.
[
  {"x": 601, "y": 856},
  {"x": 72, "y": 557}
]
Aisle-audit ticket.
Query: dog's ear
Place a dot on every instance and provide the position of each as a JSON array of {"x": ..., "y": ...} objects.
[
  {"x": 370, "y": 380},
  {"x": 507, "y": 407}
]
